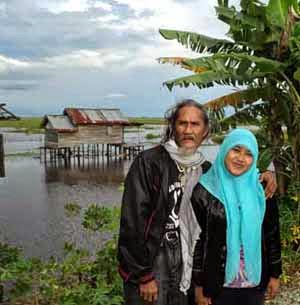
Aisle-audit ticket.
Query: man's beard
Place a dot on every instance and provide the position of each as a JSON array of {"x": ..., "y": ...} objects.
[{"x": 186, "y": 151}]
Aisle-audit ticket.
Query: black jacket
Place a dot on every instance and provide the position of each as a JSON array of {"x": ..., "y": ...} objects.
[
  {"x": 145, "y": 207},
  {"x": 210, "y": 251},
  {"x": 147, "y": 202}
]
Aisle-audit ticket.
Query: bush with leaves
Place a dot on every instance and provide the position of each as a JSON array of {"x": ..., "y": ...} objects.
[{"x": 80, "y": 277}]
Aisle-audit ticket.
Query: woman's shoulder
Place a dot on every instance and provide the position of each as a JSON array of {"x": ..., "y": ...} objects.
[
  {"x": 206, "y": 166},
  {"x": 201, "y": 194}
]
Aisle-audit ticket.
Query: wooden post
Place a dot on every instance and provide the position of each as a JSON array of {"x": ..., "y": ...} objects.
[
  {"x": 82, "y": 155},
  {"x": 78, "y": 155},
  {"x": 45, "y": 155},
  {"x": 2, "y": 168}
]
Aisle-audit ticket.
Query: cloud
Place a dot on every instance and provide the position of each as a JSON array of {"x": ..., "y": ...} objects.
[
  {"x": 7, "y": 64},
  {"x": 115, "y": 96},
  {"x": 55, "y": 53},
  {"x": 17, "y": 85}
]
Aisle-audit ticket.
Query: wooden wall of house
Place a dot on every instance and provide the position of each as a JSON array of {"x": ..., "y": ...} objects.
[
  {"x": 92, "y": 134},
  {"x": 51, "y": 138},
  {"x": 88, "y": 134}
]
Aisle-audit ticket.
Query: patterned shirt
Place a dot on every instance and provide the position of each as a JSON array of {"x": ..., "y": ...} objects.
[{"x": 241, "y": 280}]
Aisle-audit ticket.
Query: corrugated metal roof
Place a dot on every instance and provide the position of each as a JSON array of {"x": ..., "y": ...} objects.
[
  {"x": 79, "y": 116},
  {"x": 114, "y": 115},
  {"x": 59, "y": 123},
  {"x": 96, "y": 116}
]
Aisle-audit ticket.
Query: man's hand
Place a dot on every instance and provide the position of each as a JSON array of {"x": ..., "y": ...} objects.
[
  {"x": 149, "y": 291},
  {"x": 200, "y": 299},
  {"x": 271, "y": 184},
  {"x": 272, "y": 288}
]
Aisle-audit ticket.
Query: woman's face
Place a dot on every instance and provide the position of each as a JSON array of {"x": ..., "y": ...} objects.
[{"x": 238, "y": 160}]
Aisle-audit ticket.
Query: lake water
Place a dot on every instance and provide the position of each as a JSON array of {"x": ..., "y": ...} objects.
[{"x": 33, "y": 195}]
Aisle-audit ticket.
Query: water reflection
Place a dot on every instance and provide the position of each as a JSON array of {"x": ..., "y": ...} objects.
[
  {"x": 33, "y": 199},
  {"x": 101, "y": 172}
]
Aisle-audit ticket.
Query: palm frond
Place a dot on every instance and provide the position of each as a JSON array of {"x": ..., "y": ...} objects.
[
  {"x": 208, "y": 78},
  {"x": 235, "y": 18},
  {"x": 199, "y": 43},
  {"x": 180, "y": 61},
  {"x": 239, "y": 99},
  {"x": 235, "y": 60}
]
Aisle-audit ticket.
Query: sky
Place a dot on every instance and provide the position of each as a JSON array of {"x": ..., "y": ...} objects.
[{"x": 97, "y": 53}]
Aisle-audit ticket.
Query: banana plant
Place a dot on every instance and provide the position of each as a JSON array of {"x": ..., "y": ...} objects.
[{"x": 261, "y": 54}]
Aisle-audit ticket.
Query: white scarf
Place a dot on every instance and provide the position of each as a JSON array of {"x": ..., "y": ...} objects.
[
  {"x": 185, "y": 160},
  {"x": 188, "y": 224}
]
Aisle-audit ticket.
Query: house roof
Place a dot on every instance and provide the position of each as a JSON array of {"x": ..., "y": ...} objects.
[
  {"x": 59, "y": 123},
  {"x": 83, "y": 116},
  {"x": 73, "y": 117}
]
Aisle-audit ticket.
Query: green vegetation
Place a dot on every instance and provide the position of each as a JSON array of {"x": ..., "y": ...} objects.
[
  {"x": 290, "y": 232},
  {"x": 88, "y": 278},
  {"x": 263, "y": 56},
  {"x": 151, "y": 136},
  {"x": 33, "y": 124},
  {"x": 217, "y": 138},
  {"x": 29, "y": 125},
  {"x": 22, "y": 154},
  {"x": 146, "y": 120},
  {"x": 79, "y": 278}
]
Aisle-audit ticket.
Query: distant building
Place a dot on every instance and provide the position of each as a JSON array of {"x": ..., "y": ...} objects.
[
  {"x": 7, "y": 115},
  {"x": 79, "y": 126}
]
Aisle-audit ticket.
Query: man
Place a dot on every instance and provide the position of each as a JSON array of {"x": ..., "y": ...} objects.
[{"x": 156, "y": 242}]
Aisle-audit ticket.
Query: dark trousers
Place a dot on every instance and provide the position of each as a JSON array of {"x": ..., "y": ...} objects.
[
  {"x": 167, "y": 270},
  {"x": 239, "y": 296}
]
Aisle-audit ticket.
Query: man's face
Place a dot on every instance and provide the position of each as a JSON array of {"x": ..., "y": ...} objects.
[{"x": 190, "y": 128}]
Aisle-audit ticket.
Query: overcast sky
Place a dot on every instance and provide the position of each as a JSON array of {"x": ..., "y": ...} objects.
[{"x": 97, "y": 53}]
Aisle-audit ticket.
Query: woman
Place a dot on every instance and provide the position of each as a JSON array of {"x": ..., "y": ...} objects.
[{"x": 237, "y": 257}]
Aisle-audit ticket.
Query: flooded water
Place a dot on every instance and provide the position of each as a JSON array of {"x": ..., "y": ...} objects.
[{"x": 33, "y": 195}]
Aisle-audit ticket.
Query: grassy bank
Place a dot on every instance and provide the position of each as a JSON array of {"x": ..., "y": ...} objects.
[
  {"x": 28, "y": 124},
  {"x": 33, "y": 124},
  {"x": 144, "y": 120}
]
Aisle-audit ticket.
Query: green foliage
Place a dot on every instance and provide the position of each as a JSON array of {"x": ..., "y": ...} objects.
[
  {"x": 264, "y": 53},
  {"x": 79, "y": 278},
  {"x": 8, "y": 254},
  {"x": 147, "y": 120},
  {"x": 217, "y": 138},
  {"x": 265, "y": 158},
  {"x": 72, "y": 209},
  {"x": 197, "y": 42},
  {"x": 29, "y": 125},
  {"x": 290, "y": 231},
  {"x": 277, "y": 11},
  {"x": 150, "y": 136},
  {"x": 97, "y": 218}
]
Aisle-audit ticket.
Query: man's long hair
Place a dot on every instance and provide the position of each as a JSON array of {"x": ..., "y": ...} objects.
[{"x": 171, "y": 116}]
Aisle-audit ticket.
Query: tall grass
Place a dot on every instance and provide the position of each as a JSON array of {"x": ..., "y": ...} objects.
[{"x": 29, "y": 124}]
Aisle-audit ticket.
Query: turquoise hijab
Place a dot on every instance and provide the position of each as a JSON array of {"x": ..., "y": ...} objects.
[{"x": 244, "y": 202}]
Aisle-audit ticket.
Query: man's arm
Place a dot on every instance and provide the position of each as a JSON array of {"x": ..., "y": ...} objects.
[
  {"x": 269, "y": 179},
  {"x": 198, "y": 259},
  {"x": 136, "y": 210}
]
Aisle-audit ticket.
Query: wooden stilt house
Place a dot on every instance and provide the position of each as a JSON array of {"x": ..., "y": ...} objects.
[{"x": 79, "y": 126}]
